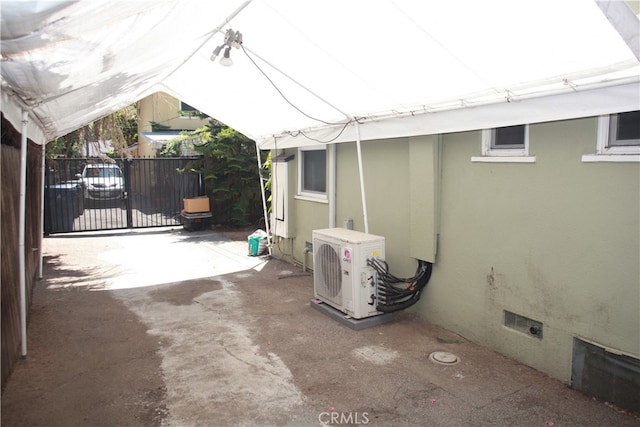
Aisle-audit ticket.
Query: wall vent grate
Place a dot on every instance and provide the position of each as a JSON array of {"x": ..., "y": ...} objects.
[{"x": 531, "y": 327}]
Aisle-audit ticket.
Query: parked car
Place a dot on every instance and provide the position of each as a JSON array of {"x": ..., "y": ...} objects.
[{"x": 102, "y": 182}]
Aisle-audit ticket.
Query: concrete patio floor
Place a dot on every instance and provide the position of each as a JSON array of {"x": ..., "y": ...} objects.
[{"x": 175, "y": 328}]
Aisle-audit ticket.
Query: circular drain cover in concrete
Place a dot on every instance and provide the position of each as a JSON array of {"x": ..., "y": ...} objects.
[{"x": 444, "y": 358}]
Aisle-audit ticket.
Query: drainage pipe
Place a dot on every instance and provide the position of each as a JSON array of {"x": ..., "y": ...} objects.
[
  {"x": 304, "y": 259},
  {"x": 21, "y": 234},
  {"x": 264, "y": 199},
  {"x": 362, "y": 193}
]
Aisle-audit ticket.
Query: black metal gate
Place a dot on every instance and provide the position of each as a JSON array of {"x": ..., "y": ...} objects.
[{"x": 91, "y": 194}]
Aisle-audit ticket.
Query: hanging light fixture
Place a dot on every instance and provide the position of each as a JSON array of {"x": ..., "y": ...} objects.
[
  {"x": 215, "y": 53},
  {"x": 226, "y": 59},
  {"x": 231, "y": 39},
  {"x": 237, "y": 40}
]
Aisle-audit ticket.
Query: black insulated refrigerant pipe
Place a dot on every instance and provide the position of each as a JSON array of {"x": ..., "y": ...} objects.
[{"x": 396, "y": 293}]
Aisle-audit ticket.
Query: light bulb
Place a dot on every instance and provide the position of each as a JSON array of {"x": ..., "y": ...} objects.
[
  {"x": 215, "y": 53},
  {"x": 226, "y": 59}
]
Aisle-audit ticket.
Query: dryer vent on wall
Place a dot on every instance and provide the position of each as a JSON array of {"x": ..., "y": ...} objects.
[{"x": 523, "y": 324}]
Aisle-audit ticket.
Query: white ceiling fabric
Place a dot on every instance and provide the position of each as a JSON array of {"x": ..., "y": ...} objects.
[{"x": 398, "y": 67}]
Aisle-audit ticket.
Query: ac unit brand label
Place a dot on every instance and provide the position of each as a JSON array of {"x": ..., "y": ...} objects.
[{"x": 346, "y": 255}]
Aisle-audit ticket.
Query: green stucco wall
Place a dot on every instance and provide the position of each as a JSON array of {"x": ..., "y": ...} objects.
[
  {"x": 557, "y": 241},
  {"x": 386, "y": 173},
  {"x": 304, "y": 217}
]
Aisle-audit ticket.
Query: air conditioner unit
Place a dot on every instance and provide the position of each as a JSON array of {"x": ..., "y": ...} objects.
[{"x": 341, "y": 277}]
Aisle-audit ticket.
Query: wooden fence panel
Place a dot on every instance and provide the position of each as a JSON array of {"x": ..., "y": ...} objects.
[{"x": 9, "y": 215}]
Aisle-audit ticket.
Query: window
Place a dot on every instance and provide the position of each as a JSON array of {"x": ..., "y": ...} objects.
[
  {"x": 505, "y": 144},
  {"x": 187, "y": 110},
  {"x": 508, "y": 137},
  {"x": 312, "y": 173},
  {"x": 618, "y": 138},
  {"x": 624, "y": 129}
]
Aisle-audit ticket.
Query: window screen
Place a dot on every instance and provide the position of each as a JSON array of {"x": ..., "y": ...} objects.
[
  {"x": 508, "y": 137},
  {"x": 625, "y": 128},
  {"x": 314, "y": 171}
]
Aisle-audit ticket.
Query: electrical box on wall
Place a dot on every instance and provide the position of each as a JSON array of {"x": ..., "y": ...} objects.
[
  {"x": 280, "y": 218},
  {"x": 424, "y": 188}
]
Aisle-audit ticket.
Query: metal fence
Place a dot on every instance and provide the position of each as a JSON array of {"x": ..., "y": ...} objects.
[{"x": 91, "y": 194}]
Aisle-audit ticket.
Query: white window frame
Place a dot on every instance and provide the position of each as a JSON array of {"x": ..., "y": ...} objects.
[
  {"x": 503, "y": 155},
  {"x": 611, "y": 153},
  {"x": 303, "y": 194}
]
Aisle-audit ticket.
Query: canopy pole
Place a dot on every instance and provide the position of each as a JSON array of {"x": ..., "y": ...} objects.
[
  {"x": 42, "y": 189},
  {"x": 332, "y": 185},
  {"x": 362, "y": 192},
  {"x": 21, "y": 234},
  {"x": 625, "y": 22},
  {"x": 264, "y": 199}
]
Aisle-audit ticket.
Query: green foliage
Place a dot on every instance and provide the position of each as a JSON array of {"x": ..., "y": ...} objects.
[
  {"x": 158, "y": 127},
  {"x": 127, "y": 121},
  {"x": 193, "y": 113},
  {"x": 64, "y": 146},
  {"x": 172, "y": 148},
  {"x": 229, "y": 166},
  {"x": 266, "y": 172},
  {"x": 120, "y": 128}
]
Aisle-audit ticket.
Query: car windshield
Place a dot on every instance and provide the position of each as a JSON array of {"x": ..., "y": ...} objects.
[{"x": 103, "y": 173}]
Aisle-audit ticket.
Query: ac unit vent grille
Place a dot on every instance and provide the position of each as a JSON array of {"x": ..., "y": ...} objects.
[{"x": 330, "y": 273}]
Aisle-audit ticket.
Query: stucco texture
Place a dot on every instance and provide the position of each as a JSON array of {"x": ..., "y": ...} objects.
[{"x": 556, "y": 241}]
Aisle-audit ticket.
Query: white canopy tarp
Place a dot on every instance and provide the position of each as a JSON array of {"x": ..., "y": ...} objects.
[{"x": 307, "y": 70}]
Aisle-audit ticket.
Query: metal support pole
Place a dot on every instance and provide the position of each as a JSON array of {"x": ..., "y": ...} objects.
[
  {"x": 21, "y": 234},
  {"x": 362, "y": 192},
  {"x": 42, "y": 189},
  {"x": 264, "y": 200},
  {"x": 331, "y": 148}
]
